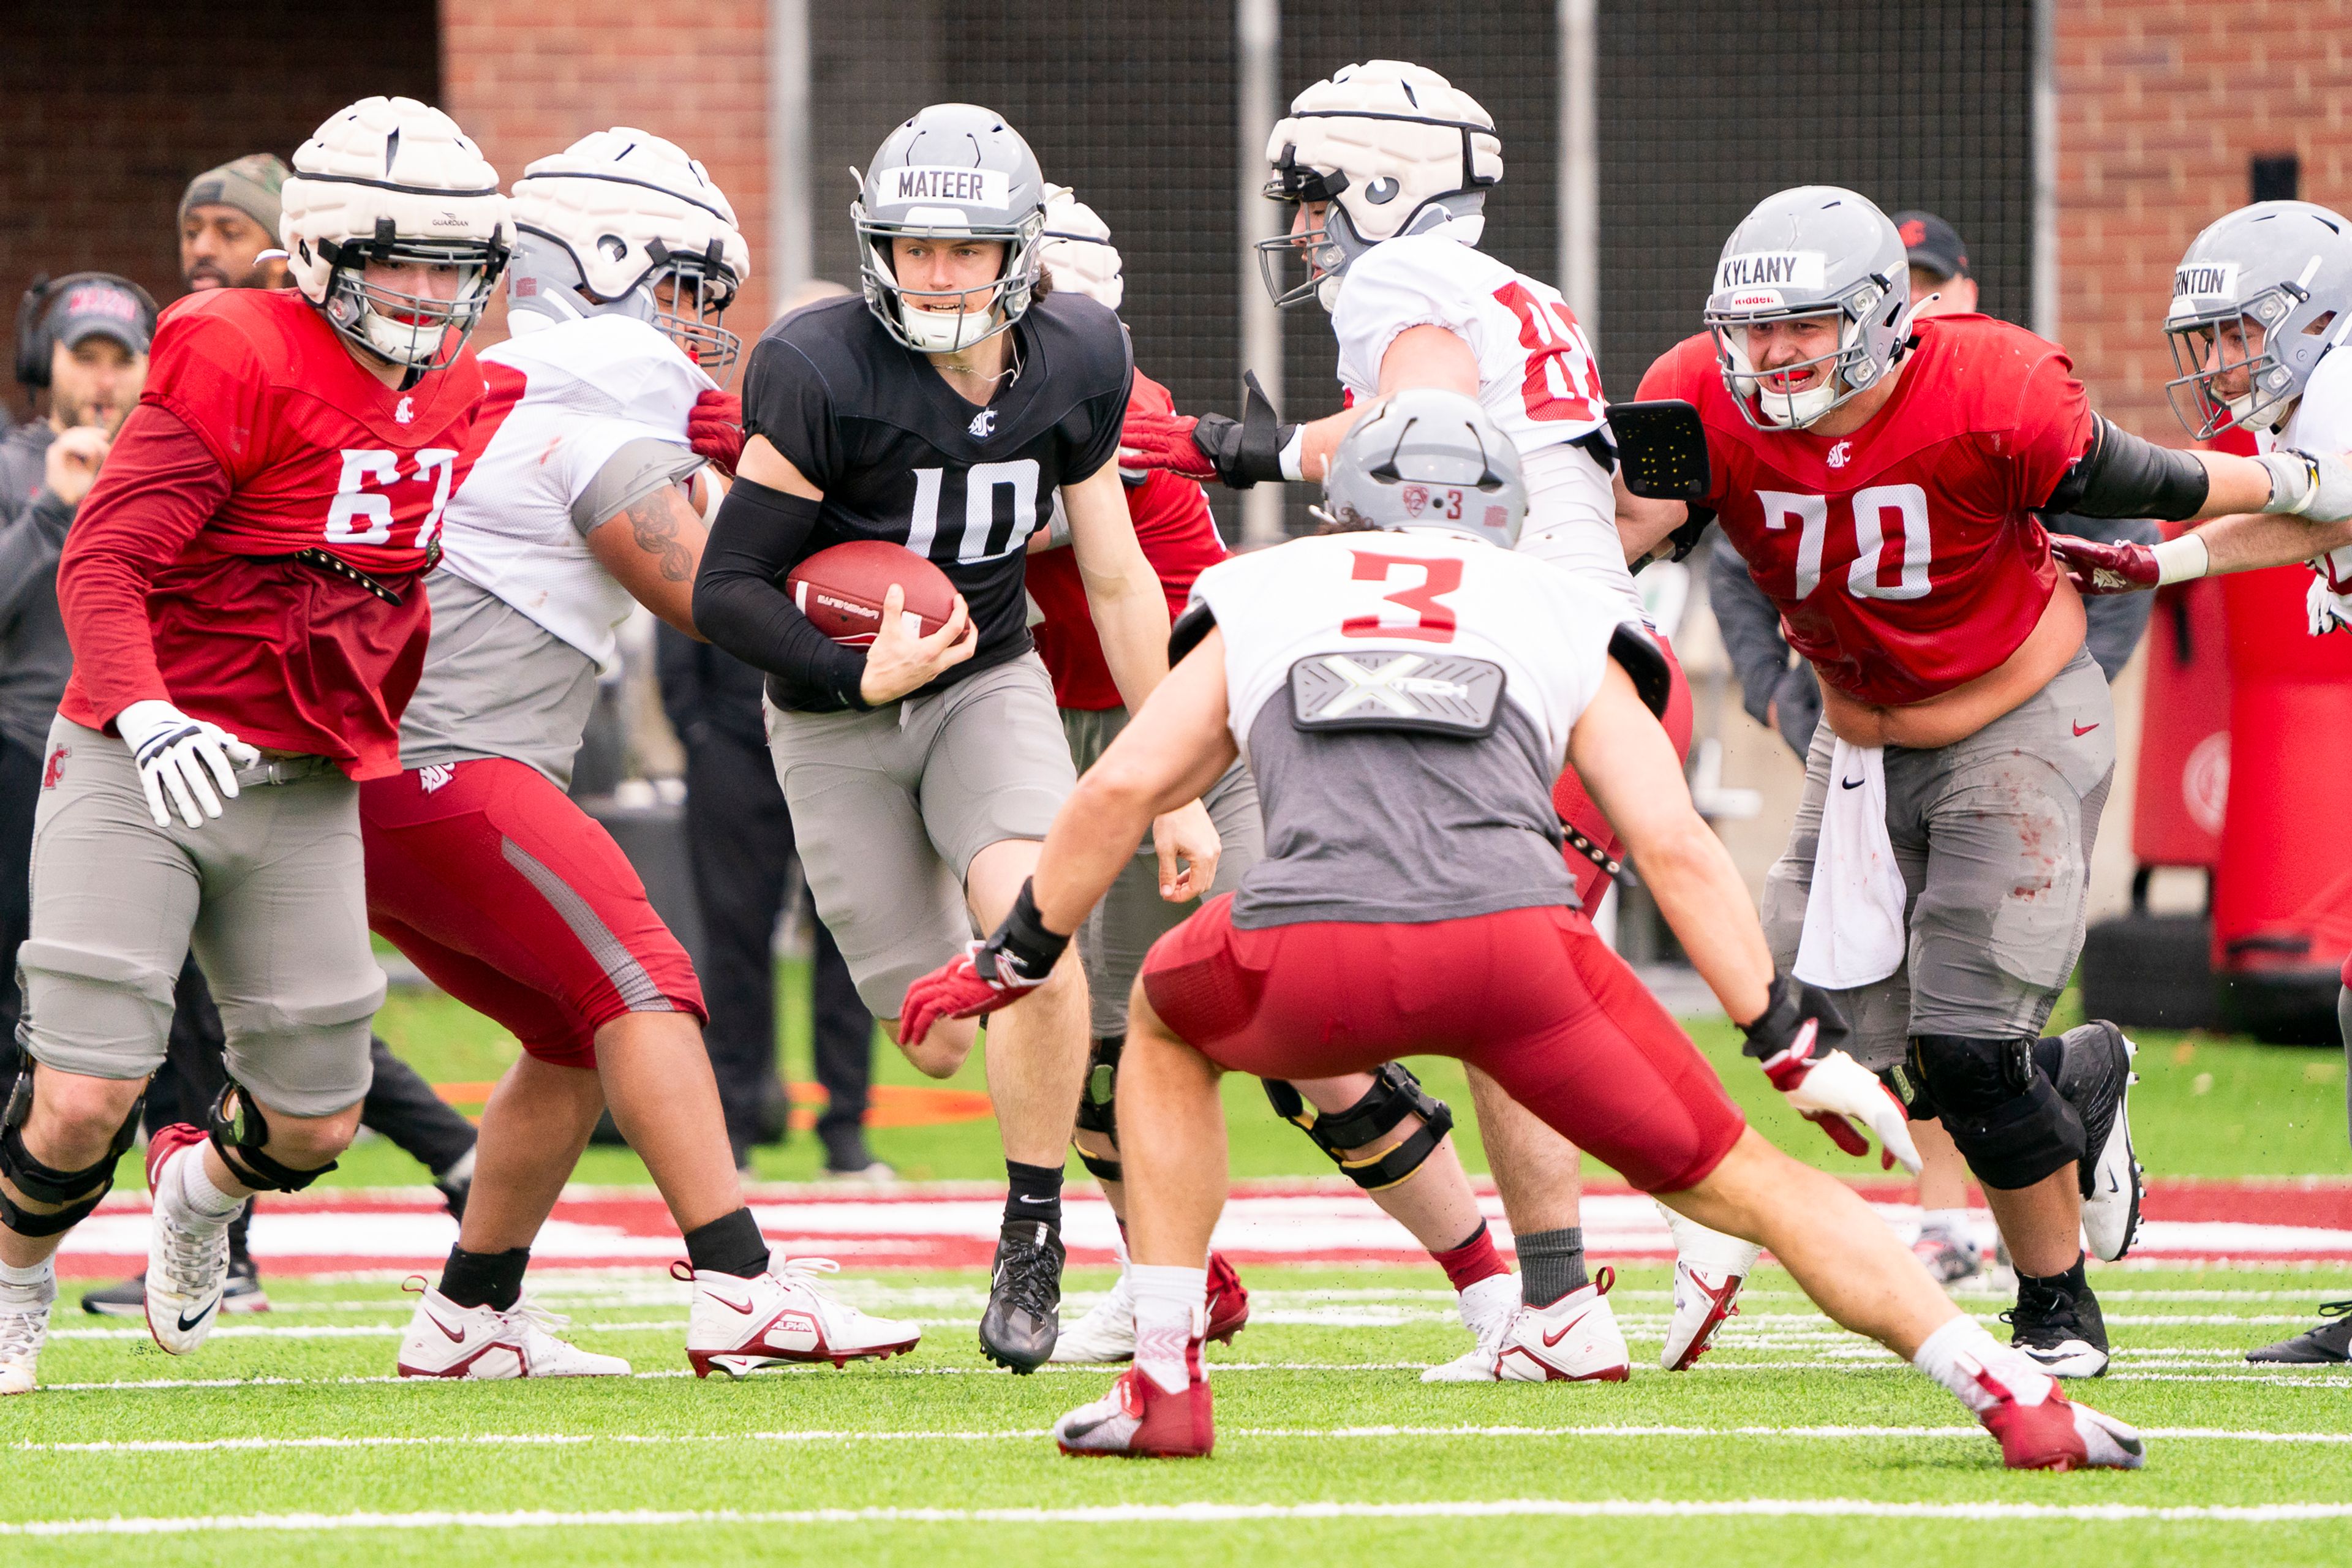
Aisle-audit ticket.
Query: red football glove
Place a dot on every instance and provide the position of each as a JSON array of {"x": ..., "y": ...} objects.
[
  {"x": 1164, "y": 441},
  {"x": 715, "y": 430},
  {"x": 1018, "y": 957},
  {"x": 2100, "y": 568}
]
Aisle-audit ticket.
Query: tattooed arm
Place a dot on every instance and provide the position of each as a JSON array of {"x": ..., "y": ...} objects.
[{"x": 652, "y": 547}]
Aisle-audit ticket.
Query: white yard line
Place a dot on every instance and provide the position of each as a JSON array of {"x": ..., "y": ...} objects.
[
  {"x": 1321, "y": 1434},
  {"x": 1206, "y": 1514}
]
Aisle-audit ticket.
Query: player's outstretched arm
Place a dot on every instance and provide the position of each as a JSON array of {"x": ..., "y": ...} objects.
[
  {"x": 1172, "y": 750},
  {"x": 653, "y": 547},
  {"x": 1643, "y": 524}
]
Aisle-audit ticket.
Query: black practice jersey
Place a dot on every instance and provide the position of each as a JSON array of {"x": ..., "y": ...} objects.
[{"x": 901, "y": 456}]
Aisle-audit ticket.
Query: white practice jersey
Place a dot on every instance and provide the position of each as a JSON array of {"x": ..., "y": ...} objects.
[
  {"x": 2322, "y": 422},
  {"x": 1404, "y": 700},
  {"x": 1537, "y": 380},
  {"x": 563, "y": 401}
]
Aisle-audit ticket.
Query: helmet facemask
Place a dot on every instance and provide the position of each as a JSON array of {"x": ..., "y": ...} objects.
[
  {"x": 1870, "y": 315},
  {"x": 418, "y": 331},
  {"x": 1321, "y": 255},
  {"x": 2201, "y": 353},
  {"x": 701, "y": 288},
  {"x": 948, "y": 331}
]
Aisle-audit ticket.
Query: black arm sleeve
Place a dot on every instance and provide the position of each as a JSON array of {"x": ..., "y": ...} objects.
[
  {"x": 758, "y": 536},
  {"x": 2122, "y": 475}
]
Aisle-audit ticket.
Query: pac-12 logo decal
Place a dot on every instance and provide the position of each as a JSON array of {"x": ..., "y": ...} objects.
[
  {"x": 982, "y": 426},
  {"x": 55, "y": 768},
  {"x": 1415, "y": 498}
]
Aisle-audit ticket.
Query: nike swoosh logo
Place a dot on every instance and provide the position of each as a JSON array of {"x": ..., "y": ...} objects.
[
  {"x": 455, "y": 1336},
  {"x": 1026, "y": 1199},
  {"x": 2113, "y": 1185},
  {"x": 187, "y": 1322},
  {"x": 2084, "y": 729},
  {"x": 1850, "y": 783},
  {"x": 742, "y": 1306},
  {"x": 1552, "y": 1339}
]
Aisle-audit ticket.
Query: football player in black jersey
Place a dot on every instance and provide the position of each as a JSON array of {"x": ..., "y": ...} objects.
[{"x": 943, "y": 412}]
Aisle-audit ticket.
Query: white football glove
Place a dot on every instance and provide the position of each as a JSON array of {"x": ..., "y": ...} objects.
[
  {"x": 2316, "y": 485},
  {"x": 1836, "y": 1086},
  {"x": 2329, "y": 610},
  {"x": 174, "y": 753}
]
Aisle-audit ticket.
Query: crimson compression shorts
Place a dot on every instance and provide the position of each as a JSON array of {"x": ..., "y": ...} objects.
[
  {"x": 1530, "y": 996},
  {"x": 1576, "y": 807},
  {"x": 517, "y": 903}
]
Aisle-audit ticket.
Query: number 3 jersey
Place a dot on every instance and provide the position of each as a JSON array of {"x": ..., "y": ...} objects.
[
  {"x": 1404, "y": 701},
  {"x": 902, "y": 457},
  {"x": 1904, "y": 558},
  {"x": 203, "y": 567}
]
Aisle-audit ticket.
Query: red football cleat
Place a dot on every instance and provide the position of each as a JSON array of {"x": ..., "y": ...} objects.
[
  {"x": 2056, "y": 1434},
  {"x": 1228, "y": 1302},
  {"x": 1142, "y": 1420}
]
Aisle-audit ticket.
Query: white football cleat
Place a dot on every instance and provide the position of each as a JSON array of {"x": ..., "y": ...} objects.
[
  {"x": 1105, "y": 1335},
  {"x": 187, "y": 1256},
  {"x": 1489, "y": 1307},
  {"x": 1709, "y": 1268},
  {"x": 740, "y": 1325},
  {"x": 24, "y": 1325},
  {"x": 446, "y": 1340},
  {"x": 1574, "y": 1340}
]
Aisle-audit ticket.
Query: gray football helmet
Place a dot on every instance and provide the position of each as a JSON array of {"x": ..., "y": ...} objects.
[
  {"x": 955, "y": 171},
  {"x": 1428, "y": 458},
  {"x": 1815, "y": 251},
  {"x": 2282, "y": 268}
]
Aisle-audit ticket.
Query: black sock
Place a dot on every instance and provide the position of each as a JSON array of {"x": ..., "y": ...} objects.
[
  {"x": 2071, "y": 1282},
  {"x": 485, "y": 1279},
  {"x": 2049, "y": 1055},
  {"x": 1552, "y": 1265},
  {"x": 1032, "y": 1193},
  {"x": 731, "y": 1244}
]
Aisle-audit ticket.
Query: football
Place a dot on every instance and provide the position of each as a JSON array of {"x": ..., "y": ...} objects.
[{"x": 840, "y": 589}]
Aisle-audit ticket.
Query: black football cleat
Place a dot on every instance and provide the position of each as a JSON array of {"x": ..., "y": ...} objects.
[
  {"x": 2060, "y": 1328},
  {"x": 2095, "y": 1077},
  {"x": 1024, "y": 1298},
  {"x": 2330, "y": 1344},
  {"x": 241, "y": 1293}
]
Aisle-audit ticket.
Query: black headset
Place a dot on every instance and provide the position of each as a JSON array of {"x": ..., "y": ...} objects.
[{"x": 32, "y": 350}]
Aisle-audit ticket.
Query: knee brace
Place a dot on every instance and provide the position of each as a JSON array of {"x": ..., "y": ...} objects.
[
  {"x": 1098, "y": 1106},
  {"x": 1395, "y": 1095},
  {"x": 239, "y": 1132},
  {"x": 76, "y": 1193},
  {"x": 2001, "y": 1111}
]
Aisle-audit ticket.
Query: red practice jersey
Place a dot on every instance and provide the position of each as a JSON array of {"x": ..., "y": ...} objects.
[
  {"x": 1904, "y": 558},
  {"x": 1179, "y": 536},
  {"x": 257, "y": 436}
]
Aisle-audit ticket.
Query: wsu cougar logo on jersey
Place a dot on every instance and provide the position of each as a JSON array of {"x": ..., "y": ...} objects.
[
  {"x": 404, "y": 411},
  {"x": 1840, "y": 453},
  {"x": 982, "y": 426}
]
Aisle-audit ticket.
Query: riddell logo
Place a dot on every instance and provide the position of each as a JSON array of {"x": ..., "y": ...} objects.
[{"x": 55, "y": 768}]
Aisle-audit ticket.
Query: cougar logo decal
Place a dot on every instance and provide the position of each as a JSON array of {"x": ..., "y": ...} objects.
[
  {"x": 55, "y": 769},
  {"x": 982, "y": 426}
]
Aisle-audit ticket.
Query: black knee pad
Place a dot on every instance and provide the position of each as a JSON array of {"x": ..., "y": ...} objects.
[
  {"x": 2002, "y": 1111},
  {"x": 1098, "y": 1105},
  {"x": 1395, "y": 1094},
  {"x": 239, "y": 1134},
  {"x": 76, "y": 1191}
]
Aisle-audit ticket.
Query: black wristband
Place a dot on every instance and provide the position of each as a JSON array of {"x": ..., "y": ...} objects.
[
  {"x": 1021, "y": 951},
  {"x": 1249, "y": 449},
  {"x": 1787, "y": 1005}
]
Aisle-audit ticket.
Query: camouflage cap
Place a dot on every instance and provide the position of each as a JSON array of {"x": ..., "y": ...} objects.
[{"x": 250, "y": 184}]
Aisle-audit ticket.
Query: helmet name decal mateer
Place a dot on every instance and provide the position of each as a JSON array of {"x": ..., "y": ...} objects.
[{"x": 930, "y": 182}]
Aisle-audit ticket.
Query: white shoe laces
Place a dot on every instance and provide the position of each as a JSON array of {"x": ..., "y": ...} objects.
[
  {"x": 193, "y": 1254},
  {"x": 23, "y": 1331}
]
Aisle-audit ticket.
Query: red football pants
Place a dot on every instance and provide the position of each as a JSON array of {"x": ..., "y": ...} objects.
[
  {"x": 1576, "y": 807},
  {"x": 517, "y": 903},
  {"x": 1530, "y": 996}
]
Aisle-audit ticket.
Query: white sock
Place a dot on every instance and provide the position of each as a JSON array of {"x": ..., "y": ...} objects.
[
  {"x": 189, "y": 1190},
  {"x": 1950, "y": 1223},
  {"x": 1978, "y": 1369},
  {"x": 29, "y": 1279},
  {"x": 1171, "y": 1306}
]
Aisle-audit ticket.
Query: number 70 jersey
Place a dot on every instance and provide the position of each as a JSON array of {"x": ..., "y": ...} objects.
[{"x": 1904, "y": 557}]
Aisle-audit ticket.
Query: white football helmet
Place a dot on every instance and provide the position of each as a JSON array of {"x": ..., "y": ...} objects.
[
  {"x": 1077, "y": 252},
  {"x": 625, "y": 223},
  {"x": 392, "y": 180},
  {"x": 1427, "y": 458},
  {"x": 1395, "y": 149}
]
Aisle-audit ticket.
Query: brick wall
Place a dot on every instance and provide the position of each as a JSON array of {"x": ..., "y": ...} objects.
[
  {"x": 2162, "y": 104},
  {"x": 526, "y": 77},
  {"x": 108, "y": 107}
]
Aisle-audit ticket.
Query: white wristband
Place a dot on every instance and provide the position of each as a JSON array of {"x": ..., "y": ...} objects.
[
  {"x": 2179, "y": 560},
  {"x": 1294, "y": 454}
]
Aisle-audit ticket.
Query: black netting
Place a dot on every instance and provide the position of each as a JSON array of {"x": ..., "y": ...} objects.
[{"x": 1922, "y": 105}]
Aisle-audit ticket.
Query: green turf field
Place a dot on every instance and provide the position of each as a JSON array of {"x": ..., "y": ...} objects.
[{"x": 1791, "y": 1442}]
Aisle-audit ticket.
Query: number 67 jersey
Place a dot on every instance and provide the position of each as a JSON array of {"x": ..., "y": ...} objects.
[{"x": 1904, "y": 557}]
